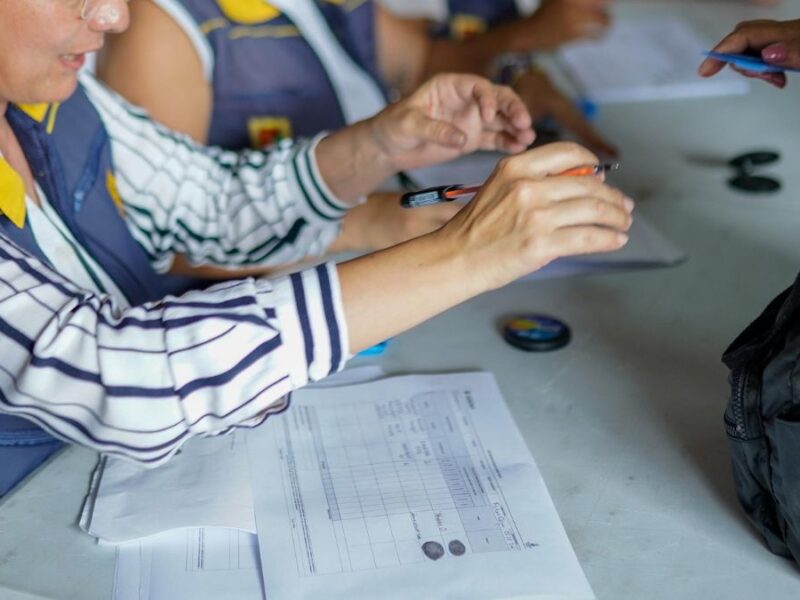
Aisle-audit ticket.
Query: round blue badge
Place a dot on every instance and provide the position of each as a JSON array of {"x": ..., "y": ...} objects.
[{"x": 536, "y": 333}]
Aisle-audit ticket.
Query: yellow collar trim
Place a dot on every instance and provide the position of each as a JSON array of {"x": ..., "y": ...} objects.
[
  {"x": 12, "y": 194},
  {"x": 38, "y": 112}
]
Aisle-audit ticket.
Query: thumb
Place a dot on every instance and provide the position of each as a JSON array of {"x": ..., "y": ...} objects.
[
  {"x": 437, "y": 132},
  {"x": 783, "y": 54}
]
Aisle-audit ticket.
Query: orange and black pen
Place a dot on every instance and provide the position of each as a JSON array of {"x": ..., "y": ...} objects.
[{"x": 448, "y": 193}]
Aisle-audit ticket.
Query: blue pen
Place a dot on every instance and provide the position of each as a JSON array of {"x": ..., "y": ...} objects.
[{"x": 747, "y": 62}]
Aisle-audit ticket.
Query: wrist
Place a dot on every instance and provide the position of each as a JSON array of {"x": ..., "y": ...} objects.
[
  {"x": 374, "y": 145},
  {"x": 444, "y": 266},
  {"x": 351, "y": 162},
  {"x": 451, "y": 260}
]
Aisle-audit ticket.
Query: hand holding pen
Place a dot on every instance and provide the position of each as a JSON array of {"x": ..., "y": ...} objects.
[
  {"x": 758, "y": 49},
  {"x": 524, "y": 217},
  {"x": 448, "y": 193}
]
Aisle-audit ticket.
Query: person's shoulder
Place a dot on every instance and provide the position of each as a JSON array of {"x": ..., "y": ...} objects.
[{"x": 166, "y": 20}]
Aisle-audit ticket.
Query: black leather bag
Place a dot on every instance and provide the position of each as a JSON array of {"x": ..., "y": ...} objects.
[{"x": 762, "y": 421}]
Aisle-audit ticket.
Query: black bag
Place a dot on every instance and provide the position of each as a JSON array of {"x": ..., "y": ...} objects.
[{"x": 762, "y": 421}]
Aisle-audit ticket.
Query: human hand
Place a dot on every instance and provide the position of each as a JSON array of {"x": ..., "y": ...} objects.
[
  {"x": 526, "y": 216},
  {"x": 545, "y": 100},
  {"x": 777, "y": 42},
  {"x": 557, "y": 22},
  {"x": 381, "y": 223},
  {"x": 450, "y": 116}
]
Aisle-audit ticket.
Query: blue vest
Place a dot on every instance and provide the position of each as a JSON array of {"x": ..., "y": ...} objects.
[
  {"x": 468, "y": 18},
  {"x": 268, "y": 82},
  {"x": 68, "y": 150}
]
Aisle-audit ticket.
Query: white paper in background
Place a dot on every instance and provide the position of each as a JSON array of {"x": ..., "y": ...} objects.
[
  {"x": 472, "y": 169},
  {"x": 652, "y": 58},
  {"x": 352, "y": 375},
  {"x": 206, "y": 485},
  {"x": 190, "y": 564},
  {"x": 646, "y": 247},
  {"x": 409, "y": 487}
]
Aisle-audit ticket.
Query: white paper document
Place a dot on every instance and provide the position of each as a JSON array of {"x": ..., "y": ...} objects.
[
  {"x": 409, "y": 487},
  {"x": 646, "y": 249},
  {"x": 206, "y": 485},
  {"x": 190, "y": 564},
  {"x": 653, "y": 58}
]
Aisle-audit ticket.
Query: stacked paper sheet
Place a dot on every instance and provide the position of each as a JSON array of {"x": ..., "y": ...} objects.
[{"x": 408, "y": 484}]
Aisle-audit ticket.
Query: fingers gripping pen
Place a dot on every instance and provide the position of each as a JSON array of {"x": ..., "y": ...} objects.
[{"x": 448, "y": 193}]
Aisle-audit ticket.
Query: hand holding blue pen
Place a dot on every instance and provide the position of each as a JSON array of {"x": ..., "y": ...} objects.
[
  {"x": 761, "y": 49},
  {"x": 745, "y": 62}
]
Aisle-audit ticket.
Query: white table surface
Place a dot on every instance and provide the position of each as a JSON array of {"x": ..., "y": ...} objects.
[{"x": 626, "y": 422}]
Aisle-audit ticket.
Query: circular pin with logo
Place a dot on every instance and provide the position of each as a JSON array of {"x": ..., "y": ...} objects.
[{"x": 536, "y": 333}]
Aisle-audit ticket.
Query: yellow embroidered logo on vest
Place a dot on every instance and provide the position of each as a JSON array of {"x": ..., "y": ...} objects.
[
  {"x": 465, "y": 27},
  {"x": 248, "y": 12},
  {"x": 111, "y": 186},
  {"x": 265, "y": 131},
  {"x": 12, "y": 194}
]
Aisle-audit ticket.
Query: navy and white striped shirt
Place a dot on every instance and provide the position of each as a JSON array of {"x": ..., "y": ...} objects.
[{"x": 139, "y": 381}]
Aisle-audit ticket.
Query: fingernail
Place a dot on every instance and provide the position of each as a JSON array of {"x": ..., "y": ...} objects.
[
  {"x": 629, "y": 204},
  {"x": 622, "y": 238},
  {"x": 778, "y": 80},
  {"x": 704, "y": 69},
  {"x": 775, "y": 53}
]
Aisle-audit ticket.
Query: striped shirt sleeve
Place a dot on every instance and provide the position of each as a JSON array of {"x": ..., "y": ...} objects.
[
  {"x": 138, "y": 382},
  {"x": 252, "y": 208}
]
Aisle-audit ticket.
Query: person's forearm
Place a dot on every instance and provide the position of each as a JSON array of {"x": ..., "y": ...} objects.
[
  {"x": 514, "y": 36},
  {"x": 393, "y": 290},
  {"x": 447, "y": 56},
  {"x": 255, "y": 209},
  {"x": 476, "y": 55},
  {"x": 351, "y": 163},
  {"x": 204, "y": 362}
]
